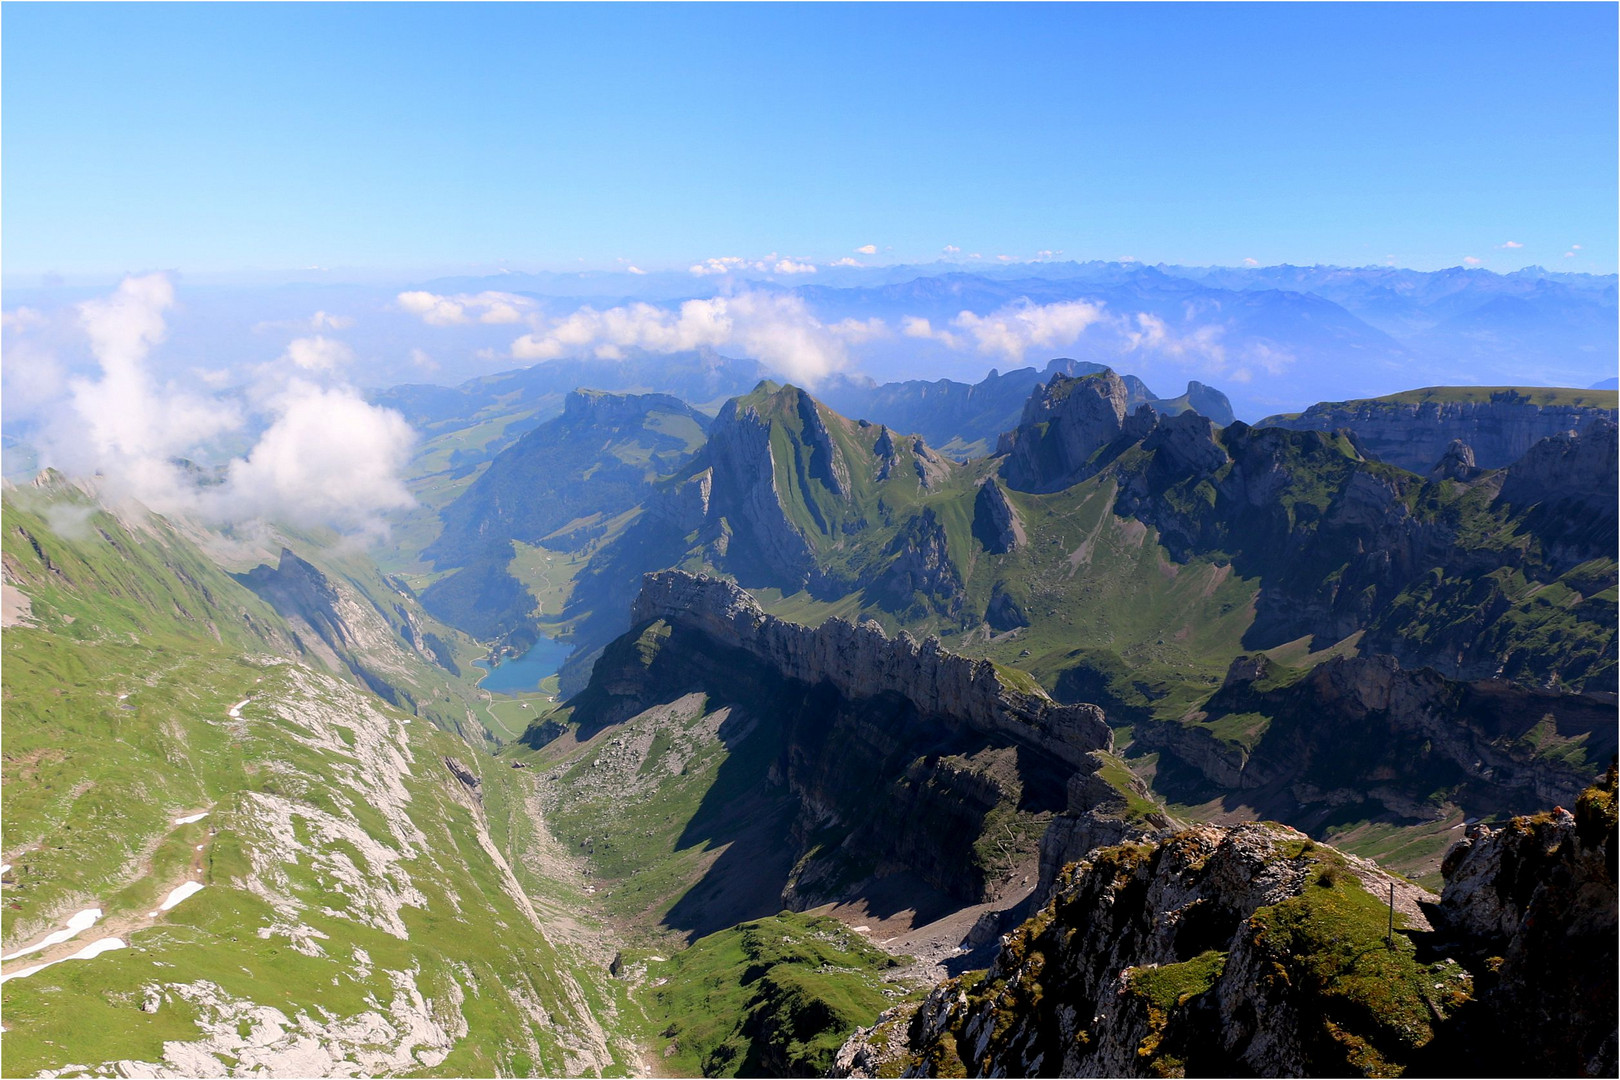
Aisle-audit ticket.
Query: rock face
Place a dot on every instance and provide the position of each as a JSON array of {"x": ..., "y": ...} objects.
[
  {"x": 747, "y": 492},
  {"x": 1535, "y": 901},
  {"x": 1064, "y": 423},
  {"x": 967, "y": 419},
  {"x": 996, "y": 523},
  {"x": 861, "y": 662},
  {"x": 1415, "y": 434},
  {"x": 332, "y": 622},
  {"x": 921, "y": 576},
  {"x": 896, "y": 756},
  {"x": 1068, "y": 421},
  {"x": 1364, "y": 731}
]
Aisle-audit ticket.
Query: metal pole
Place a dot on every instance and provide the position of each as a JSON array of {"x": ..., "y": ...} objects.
[{"x": 1391, "y": 938}]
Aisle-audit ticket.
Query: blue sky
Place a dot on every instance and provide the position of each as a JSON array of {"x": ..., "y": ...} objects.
[{"x": 232, "y": 137}]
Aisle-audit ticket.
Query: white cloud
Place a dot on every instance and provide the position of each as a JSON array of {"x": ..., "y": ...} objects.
[
  {"x": 635, "y": 269},
  {"x": 122, "y": 424},
  {"x": 1574, "y": 247},
  {"x": 858, "y": 332},
  {"x": 1015, "y": 329},
  {"x": 723, "y": 264},
  {"x": 845, "y": 261},
  {"x": 317, "y": 322},
  {"x": 327, "y": 456},
  {"x": 22, "y": 320},
  {"x": 866, "y": 249},
  {"x": 952, "y": 249},
  {"x": 1251, "y": 262},
  {"x": 423, "y": 362},
  {"x": 1004, "y": 258},
  {"x": 322, "y": 321},
  {"x": 487, "y": 307},
  {"x": 1469, "y": 260},
  {"x": 779, "y": 331},
  {"x": 788, "y": 266},
  {"x": 914, "y": 326},
  {"x": 318, "y": 354},
  {"x": 1202, "y": 344},
  {"x": 1510, "y": 244},
  {"x": 1569, "y": 254}
]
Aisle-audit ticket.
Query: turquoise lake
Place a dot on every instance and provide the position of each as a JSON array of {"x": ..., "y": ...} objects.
[{"x": 524, "y": 673}]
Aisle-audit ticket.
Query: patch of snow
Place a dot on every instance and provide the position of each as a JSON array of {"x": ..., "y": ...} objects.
[
  {"x": 89, "y": 952},
  {"x": 190, "y": 888},
  {"x": 235, "y": 711},
  {"x": 96, "y": 948},
  {"x": 83, "y": 920},
  {"x": 189, "y": 818}
]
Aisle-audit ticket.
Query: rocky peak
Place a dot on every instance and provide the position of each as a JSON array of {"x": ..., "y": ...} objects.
[
  {"x": 1064, "y": 424},
  {"x": 996, "y": 523},
  {"x": 1209, "y": 402},
  {"x": 745, "y": 492},
  {"x": 1457, "y": 463}
]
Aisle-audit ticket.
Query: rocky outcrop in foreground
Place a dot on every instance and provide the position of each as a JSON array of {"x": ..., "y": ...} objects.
[
  {"x": 1534, "y": 904},
  {"x": 1250, "y": 950}
]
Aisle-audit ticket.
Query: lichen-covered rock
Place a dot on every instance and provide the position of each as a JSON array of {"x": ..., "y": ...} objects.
[
  {"x": 1533, "y": 906},
  {"x": 1252, "y": 951},
  {"x": 1244, "y": 950}
]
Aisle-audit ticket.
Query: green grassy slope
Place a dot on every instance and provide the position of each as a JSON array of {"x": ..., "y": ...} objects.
[
  {"x": 358, "y": 902},
  {"x": 770, "y": 997}
]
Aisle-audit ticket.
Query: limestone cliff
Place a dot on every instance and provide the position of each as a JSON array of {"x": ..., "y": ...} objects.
[
  {"x": 862, "y": 662},
  {"x": 1414, "y": 430},
  {"x": 1064, "y": 424},
  {"x": 895, "y": 757}
]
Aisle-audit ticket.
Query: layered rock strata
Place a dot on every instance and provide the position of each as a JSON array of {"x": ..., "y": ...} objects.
[
  {"x": 862, "y": 662},
  {"x": 1416, "y": 434}
]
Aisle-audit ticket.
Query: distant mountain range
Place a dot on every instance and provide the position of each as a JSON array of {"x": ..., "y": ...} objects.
[{"x": 1278, "y": 337}]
